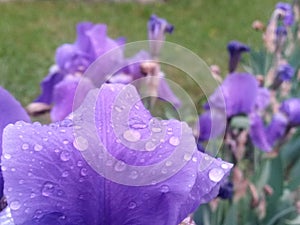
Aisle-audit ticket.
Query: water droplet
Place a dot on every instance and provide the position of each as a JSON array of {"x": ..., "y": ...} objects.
[
  {"x": 132, "y": 205},
  {"x": 169, "y": 163},
  {"x": 65, "y": 174},
  {"x": 81, "y": 143},
  {"x": 65, "y": 142},
  {"x": 25, "y": 146},
  {"x": 60, "y": 192},
  {"x": 164, "y": 171},
  {"x": 118, "y": 109},
  {"x": 156, "y": 129},
  {"x": 7, "y": 156},
  {"x": 216, "y": 174},
  {"x": 187, "y": 157},
  {"x": 37, "y": 147},
  {"x": 45, "y": 139},
  {"x": 21, "y": 181},
  {"x": 146, "y": 195},
  {"x": 120, "y": 166},
  {"x": 84, "y": 172},
  {"x": 15, "y": 205},
  {"x": 81, "y": 197},
  {"x": 132, "y": 135},
  {"x": 174, "y": 141},
  {"x": 79, "y": 163},
  {"x": 137, "y": 123},
  {"x": 65, "y": 156},
  {"x": 133, "y": 174},
  {"x": 164, "y": 189},
  {"x": 109, "y": 162},
  {"x": 225, "y": 166},
  {"x": 194, "y": 159},
  {"x": 150, "y": 146},
  {"x": 48, "y": 189}
]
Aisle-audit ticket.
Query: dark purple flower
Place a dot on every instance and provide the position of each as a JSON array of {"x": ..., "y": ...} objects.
[
  {"x": 285, "y": 72},
  {"x": 226, "y": 190},
  {"x": 11, "y": 111},
  {"x": 235, "y": 49},
  {"x": 112, "y": 164},
  {"x": 288, "y": 15},
  {"x": 157, "y": 28},
  {"x": 240, "y": 91},
  {"x": 291, "y": 108}
]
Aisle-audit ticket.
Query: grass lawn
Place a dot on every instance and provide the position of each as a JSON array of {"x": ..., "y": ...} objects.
[{"x": 31, "y": 31}]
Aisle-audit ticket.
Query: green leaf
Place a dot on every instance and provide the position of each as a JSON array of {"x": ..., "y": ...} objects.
[
  {"x": 232, "y": 216},
  {"x": 240, "y": 122},
  {"x": 295, "y": 221},
  {"x": 294, "y": 178},
  {"x": 275, "y": 180}
]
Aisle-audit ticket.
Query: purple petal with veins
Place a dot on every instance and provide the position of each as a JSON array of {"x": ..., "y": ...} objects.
[
  {"x": 93, "y": 170},
  {"x": 11, "y": 111}
]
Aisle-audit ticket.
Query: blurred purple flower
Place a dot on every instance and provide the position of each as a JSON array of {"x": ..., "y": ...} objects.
[
  {"x": 73, "y": 59},
  {"x": 157, "y": 28},
  {"x": 51, "y": 173},
  {"x": 285, "y": 72},
  {"x": 211, "y": 125},
  {"x": 277, "y": 128},
  {"x": 11, "y": 111},
  {"x": 262, "y": 99},
  {"x": 288, "y": 15},
  {"x": 240, "y": 91},
  {"x": 291, "y": 108},
  {"x": 258, "y": 133},
  {"x": 265, "y": 137},
  {"x": 235, "y": 49}
]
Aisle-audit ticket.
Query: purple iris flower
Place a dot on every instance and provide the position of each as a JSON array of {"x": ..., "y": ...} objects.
[
  {"x": 240, "y": 91},
  {"x": 288, "y": 17},
  {"x": 111, "y": 163},
  {"x": 157, "y": 28},
  {"x": 258, "y": 133},
  {"x": 74, "y": 59},
  {"x": 288, "y": 116},
  {"x": 291, "y": 108},
  {"x": 11, "y": 111},
  {"x": 235, "y": 49},
  {"x": 285, "y": 72},
  {"x": 210, "y": 124}
]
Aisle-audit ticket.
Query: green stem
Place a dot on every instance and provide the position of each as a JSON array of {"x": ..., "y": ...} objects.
[{"x": 281, "y": 214}]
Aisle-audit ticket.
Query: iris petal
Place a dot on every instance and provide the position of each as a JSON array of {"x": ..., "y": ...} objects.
[
  {"x": 10, "y": 112},
  {"x": 52, "y": 179}
]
